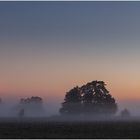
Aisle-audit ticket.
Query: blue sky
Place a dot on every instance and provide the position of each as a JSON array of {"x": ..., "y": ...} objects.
[{"x": 90, "y": 22}]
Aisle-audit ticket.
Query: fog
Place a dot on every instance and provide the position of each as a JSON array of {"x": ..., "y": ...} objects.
[
  {"x": 51, "y": 111},
  {"x": 8, "y": 108}
]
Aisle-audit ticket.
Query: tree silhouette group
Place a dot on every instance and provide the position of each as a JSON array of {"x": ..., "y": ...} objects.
[
  {"x": 33, "y": 100},
  {"x": 33, "y": 104},
  {"x": 92, "y": 98}
]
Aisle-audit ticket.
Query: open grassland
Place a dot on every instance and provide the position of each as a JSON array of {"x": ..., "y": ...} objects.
[{"x": 72, "y": 129}]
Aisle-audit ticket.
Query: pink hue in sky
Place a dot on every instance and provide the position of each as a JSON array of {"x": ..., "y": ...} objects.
[{"x": 51, "y": 73}]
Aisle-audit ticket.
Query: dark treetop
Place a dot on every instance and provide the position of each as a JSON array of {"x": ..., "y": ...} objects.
[{"x": 92, "y": 98}]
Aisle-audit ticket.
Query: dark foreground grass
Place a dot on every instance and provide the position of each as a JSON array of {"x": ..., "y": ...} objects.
[{"x": 109, "y": 129}]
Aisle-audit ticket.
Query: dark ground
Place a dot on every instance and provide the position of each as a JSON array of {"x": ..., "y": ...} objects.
[{"x": 44, "y": 129}]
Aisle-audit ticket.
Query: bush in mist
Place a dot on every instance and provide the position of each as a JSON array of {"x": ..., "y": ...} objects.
[
  {"x": 31, "y": 105},
  {"x": 92, "y": 98},
  {"x": 125, "y": 113},
  {"x": 21, "y": 113}
]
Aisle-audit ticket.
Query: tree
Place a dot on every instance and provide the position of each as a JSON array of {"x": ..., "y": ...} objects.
[
  {"x": 72, "y": 102},
  {"x": 34, "y": 100},
  {"x": 31, "y": 105},
  {"x": 92, "y": 98},
  {"x": 125, "y": 113}
]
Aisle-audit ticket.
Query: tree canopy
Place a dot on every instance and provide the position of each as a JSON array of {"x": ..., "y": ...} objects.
[
  {"x": 33, "y": 104},
  {"x": 33, "y": 100},
  {"x": 91, "y": 98}
]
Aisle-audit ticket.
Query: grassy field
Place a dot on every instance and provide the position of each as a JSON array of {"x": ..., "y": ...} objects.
[{"x": 44, "y": 129}]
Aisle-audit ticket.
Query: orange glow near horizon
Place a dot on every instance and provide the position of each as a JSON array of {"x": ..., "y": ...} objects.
[
  {"x": 57, "y": 76},
  {"x": 119, "y": 89}
]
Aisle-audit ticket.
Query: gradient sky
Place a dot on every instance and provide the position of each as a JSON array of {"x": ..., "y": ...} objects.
[{"x": 46, "y": 48}]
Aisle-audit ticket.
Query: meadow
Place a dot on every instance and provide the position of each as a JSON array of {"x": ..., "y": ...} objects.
[{"x": 69, "y": 129}]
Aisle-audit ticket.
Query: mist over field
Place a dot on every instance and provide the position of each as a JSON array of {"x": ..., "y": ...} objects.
[
  {"x": 51, "y": 108},
  {"x": 9, "y": 109}
]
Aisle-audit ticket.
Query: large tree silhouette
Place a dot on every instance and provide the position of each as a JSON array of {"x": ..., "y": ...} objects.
[{"x": 92, "y": 98}]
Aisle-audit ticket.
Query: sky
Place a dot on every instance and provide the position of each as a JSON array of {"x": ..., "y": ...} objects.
[{"x": 47, "y": 48}]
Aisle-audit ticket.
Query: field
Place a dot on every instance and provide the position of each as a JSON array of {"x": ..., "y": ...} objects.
[{"x": 72, "y": 129}]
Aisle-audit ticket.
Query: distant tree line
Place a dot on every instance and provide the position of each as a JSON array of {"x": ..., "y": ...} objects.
[{"x": 90, "y": 99}]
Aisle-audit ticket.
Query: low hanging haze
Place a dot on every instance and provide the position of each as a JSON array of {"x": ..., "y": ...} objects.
[{"x": 47, "y": 48}]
